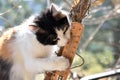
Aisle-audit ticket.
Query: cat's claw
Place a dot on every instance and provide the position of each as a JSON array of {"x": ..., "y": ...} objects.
[{"x": 62, "y": 63}]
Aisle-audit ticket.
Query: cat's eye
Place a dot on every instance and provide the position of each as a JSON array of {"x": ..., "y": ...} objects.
[
  {"x": 56, "y": 39},
  {"x": 65, "y": 30}
]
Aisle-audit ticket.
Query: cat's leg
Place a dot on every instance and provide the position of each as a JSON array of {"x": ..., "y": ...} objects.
[
  {"x": 29, "y": 75},
  {"x": 47, "y": 64},
  {"x": 16, "y": 73},
  {"x": 20, "y": 73}
]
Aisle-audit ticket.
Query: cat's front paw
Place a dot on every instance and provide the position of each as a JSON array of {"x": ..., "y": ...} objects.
[{"x": 62, "y": 63}]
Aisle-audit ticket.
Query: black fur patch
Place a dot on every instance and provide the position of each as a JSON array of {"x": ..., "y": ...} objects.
[
  {"x": 4, "y": 69},
  {"x": 49, "y": 23}
]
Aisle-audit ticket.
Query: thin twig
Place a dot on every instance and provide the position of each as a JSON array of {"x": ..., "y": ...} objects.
[
  {"x": 9, "y": 10},
  {"x": 96, "y": 30},
  {"x": 49, "y": 2},
  {"x": 10, "y": 25},
  {"x": 68, "y": 3}
]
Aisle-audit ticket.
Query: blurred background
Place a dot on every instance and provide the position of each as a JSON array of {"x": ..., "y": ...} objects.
[{"x": 100, "y": 42}]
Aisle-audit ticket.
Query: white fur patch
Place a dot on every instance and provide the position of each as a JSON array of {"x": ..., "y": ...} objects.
[{"x": 63, "y": 37}]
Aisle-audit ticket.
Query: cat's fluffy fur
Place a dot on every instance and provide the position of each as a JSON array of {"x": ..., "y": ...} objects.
[{"x": 29, "y": 48}]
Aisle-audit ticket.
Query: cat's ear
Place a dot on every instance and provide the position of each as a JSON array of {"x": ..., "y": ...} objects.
[
  {"x": 36, "y": 29},
  {"x": 54, "y": 9}
]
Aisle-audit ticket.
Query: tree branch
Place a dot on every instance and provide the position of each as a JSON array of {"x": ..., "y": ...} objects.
[{"x": 105, "y": 18}]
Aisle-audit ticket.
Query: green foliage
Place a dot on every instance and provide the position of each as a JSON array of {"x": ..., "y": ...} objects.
[{"x": 94, "y": 63}]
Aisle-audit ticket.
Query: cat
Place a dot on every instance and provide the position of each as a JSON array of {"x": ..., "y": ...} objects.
[{"x": 29, "y": 48}]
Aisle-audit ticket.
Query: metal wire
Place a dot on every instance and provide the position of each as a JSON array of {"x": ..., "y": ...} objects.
[{"x": 83, "y": 61}]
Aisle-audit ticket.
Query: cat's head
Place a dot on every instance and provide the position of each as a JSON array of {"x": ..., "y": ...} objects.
[{"x": 53, "y": 27}]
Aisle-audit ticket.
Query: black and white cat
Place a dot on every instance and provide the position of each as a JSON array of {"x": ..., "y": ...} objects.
[{"x": 29, "y": 48}]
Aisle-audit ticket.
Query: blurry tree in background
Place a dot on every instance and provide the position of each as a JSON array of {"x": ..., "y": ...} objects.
[{"x": 100, "y": 45}]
